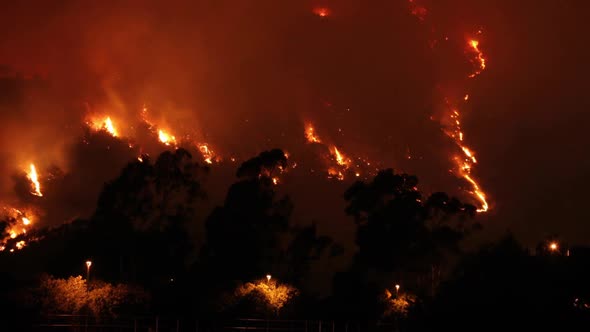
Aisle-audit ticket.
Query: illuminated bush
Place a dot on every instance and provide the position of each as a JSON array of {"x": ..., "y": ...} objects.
[
  {"x": 269, "y": 293},
  {"x": 74, "y": 296}
]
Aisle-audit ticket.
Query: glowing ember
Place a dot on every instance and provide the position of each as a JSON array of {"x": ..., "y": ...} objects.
[
  {"x": 275, "y": 181},
  {"x": 321, "y": 11},
  {"x": 26, "y": 221},
  {"x": 481, "y": 61},
  {"x": 35, "y": 185}
]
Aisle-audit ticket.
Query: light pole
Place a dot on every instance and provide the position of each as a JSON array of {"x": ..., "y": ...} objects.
[
  {"x": 88, "y": 265},
  {"x": 396, "y": 289},
  {"x": 268, "y": 276}
]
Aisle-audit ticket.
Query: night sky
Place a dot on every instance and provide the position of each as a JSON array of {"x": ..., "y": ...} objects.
[{"x": 246, "y": 76}]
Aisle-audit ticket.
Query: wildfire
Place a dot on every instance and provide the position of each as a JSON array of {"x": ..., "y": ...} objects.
[
  {"x": 310, "y": 134},
  {"x": 478, "y": 192},
  {"x": 340, "y": 158},
  {"x": 18, "y": 223},
  {"x": 338, "y": 162},
  {"x": 105, "y": 124},
  {"x": 452, "y": 125},
  {"x": 166, "y": 138},
  {"x": 207, "y": 153},
  {"x": 481, "y": 61},
  {"x": 35, "y": 185}
]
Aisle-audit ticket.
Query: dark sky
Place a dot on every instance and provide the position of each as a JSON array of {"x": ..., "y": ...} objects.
[{"x": 246, "y": 75}]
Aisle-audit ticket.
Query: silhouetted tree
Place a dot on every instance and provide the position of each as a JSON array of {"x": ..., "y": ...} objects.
[
  {"x": 502, "y": 286},
  {"x": 402, "y": 237},
  {"x": 244, "y": 235},
  {"x": 142, "y": 216},
  {"x": 251, "y": 236}
]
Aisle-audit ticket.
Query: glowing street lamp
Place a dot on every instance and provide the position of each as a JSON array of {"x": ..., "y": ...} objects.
[
  {"x": 396, "y": 289},
  {"x": 88, "y": 265},
  {"x": 268, "y": 276},
  {"x": 553, "y": 246}
]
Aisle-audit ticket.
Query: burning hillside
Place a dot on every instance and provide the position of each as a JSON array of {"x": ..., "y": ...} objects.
[{"x": 198, "y": 101}]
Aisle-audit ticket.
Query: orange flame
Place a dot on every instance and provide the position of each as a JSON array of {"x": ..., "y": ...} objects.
[
  {"x": 452, "y": 128},
  {"x": 105, "y": 124},
  {"x": 207, "y": 153},
  {"x": 35, "y": 185},
  {"x": 166, "y": 138},
  {"x": 20, "y": 223},
  {"x": 481, "y": 61},
  {"x": 340, "y": 158},
  {"x": 310, "y": 134}
]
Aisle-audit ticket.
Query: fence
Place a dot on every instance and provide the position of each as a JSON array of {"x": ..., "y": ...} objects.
[{"x": 82, "y": 323}]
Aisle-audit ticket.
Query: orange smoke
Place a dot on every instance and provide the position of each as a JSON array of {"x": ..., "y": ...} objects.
[
  {"x": 322, "y": 11},
  {"x": 35, "y": 185}
]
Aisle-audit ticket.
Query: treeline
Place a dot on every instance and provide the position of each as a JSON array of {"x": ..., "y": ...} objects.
[{"x": 408, "y": 265}]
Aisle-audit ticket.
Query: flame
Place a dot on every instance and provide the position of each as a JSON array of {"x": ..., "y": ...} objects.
[
  {"x": 105, "y": 124},
  {"x": 207, "y": 153},
  {"x": 452, "y": 124},
  {"x": 310, "y": 134},
  {"x": 20, "y": 245},
  {"x": 19, "y": 222},
  {"x": 338, "y": 163},
  {"x": 340, "y": 158},
  {"x": 166, "y": 138},
  {"x": 478, "y": 192},
  {"x": 35, "y": 185},
  {"x": 275, "y": 180},
  {"x": 335, "y": 174},
  {"x": 480, "y": 59}
]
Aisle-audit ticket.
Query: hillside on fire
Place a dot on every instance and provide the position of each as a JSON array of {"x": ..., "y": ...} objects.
[{"x": 310, "y": 165}]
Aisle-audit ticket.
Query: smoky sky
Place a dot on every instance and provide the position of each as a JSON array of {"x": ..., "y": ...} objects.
[{"x": 244, "y": 76}]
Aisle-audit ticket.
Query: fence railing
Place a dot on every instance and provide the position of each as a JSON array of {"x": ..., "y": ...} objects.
[{"x": 83, "y": 323}]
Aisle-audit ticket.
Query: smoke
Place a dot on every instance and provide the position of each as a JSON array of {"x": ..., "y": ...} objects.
[{"x": 245, "y": 76}]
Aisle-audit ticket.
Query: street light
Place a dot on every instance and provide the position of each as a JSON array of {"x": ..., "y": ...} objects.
[
  {"x": 268, "y": 276},
  {"x": 396, "y": 289},
  {"x": 88, "y": 265},
  {"x": 553, "y": 246}
]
